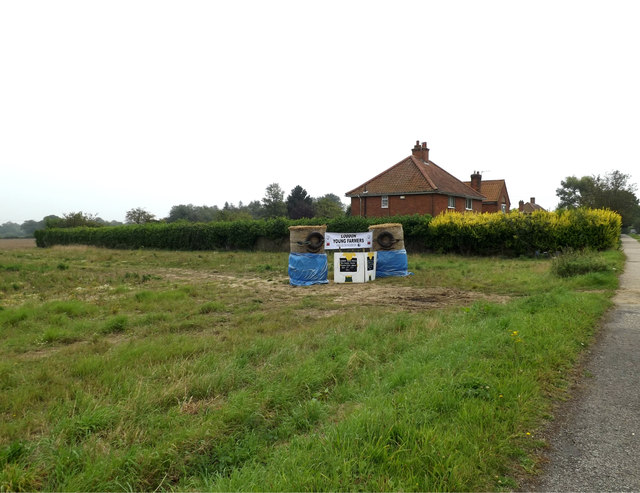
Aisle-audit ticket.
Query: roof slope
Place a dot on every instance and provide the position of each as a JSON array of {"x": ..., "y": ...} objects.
[
  {"x": 413, "y": 175},
  {"x": 492, "y": 189},
  {"x": 530, "y": 207}
]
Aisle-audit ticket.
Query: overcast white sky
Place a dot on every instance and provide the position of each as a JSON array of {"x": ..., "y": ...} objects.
[{"x": 110, "y": 105}]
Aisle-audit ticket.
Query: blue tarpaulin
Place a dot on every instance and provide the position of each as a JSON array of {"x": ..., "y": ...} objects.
[
  {"x": 306, "y": 269},
  {"x": 392, "y": 263}
]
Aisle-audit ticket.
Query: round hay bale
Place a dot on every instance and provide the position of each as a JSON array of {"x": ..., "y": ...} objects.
[
  {"x": 388, "y": 236},
  {"x": 307, "y": 239}
]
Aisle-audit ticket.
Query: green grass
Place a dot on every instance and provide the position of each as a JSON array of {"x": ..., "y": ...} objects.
[{"x": 145, "y": 370}]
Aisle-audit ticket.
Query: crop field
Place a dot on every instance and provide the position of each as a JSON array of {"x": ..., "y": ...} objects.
[{"x": 206, "y": 371}]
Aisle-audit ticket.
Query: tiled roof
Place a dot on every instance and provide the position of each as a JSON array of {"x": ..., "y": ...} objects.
[
  {"x": 529, "y": 207},
  {"x": 413, "y": 175},
  {"x": 493, "y": 190}
]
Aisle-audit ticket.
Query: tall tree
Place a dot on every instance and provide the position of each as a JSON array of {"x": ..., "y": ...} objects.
[
  {"x": 255, "y": 209},
  {"x": 611, "y": 191},
  {"x": 139, "y": 216},
  {"x": 576, "y": 192},
  {"x": 10, "y": 230},
  {"x": 299, "y": 203},
  {"x": 74, "y": 220},
  {"x": 30, "y": 226},
  {"x": 329, "y": 206},
  {"x": 273, "y": 202}
]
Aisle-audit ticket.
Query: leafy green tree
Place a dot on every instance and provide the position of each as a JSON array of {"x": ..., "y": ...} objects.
[
  {"x": 11, "y": 230},
  {"x": 139, "y": 216},
  {"x": 30, "y": 226},
  {"x": 74, "y": 220},
  {"x": 329, "y": 206},
  {"x": 255, "y": 209},
  {"x": 299, "y": 203},
  {"x": 231, "y": 212},
  {"x": 612, "y": 191},
  {"x": 576, "y": 192},
  {"x": 192, "y": 213},
  {"x": 273, "y": 202}
]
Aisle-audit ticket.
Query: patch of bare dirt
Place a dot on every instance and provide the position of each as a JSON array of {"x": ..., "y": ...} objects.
[{"x": 377, "y": 293}]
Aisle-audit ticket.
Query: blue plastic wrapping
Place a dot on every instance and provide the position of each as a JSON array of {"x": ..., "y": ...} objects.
[
  {"x": 306, "y": 269},
  {"x": 392, "y": 263}
]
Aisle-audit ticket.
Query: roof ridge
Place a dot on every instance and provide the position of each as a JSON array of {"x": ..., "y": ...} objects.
[{"x": 423, "y": 172}]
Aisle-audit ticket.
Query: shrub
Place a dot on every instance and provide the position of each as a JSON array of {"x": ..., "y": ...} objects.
[
  {"x": 524, "y": 234},
  {"x": 573, "y": 263}
]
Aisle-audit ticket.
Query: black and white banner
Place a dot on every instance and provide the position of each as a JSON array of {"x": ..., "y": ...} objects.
[{"x": 338, "y": 241}]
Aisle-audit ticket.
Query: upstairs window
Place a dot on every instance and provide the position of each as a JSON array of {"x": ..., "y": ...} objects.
[
  {"x": 469, "y": 204},
  {"x": 452, "y": 202},
  {"x": 503, "y": 208},
  {"x": 384, "y": 203}
]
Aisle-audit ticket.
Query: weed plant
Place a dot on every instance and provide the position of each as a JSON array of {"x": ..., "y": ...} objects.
[
  {"x": 577, "y": 262},
  {"x": 148, "y": 370}
]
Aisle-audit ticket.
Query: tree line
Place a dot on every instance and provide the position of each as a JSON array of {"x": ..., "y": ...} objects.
[
  {"x": 297, "y": 205},
  {"x": 612, "y": 191}
]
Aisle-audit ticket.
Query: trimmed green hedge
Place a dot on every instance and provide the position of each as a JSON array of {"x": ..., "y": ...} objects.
[
  {"x": 236, "y": 235},
  {"x": 477, "y": 234}
]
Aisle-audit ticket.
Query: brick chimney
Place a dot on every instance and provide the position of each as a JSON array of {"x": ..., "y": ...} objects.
[
  {"x": 421, "y": 151},
  {"x": 521, "y": 205},
  {"x": 476, "y": 181},
  {"x": 532, "y": 200}
]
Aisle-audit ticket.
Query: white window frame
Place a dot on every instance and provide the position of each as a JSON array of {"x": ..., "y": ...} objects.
[
  {"x": 468, "y": 204},
  {"x": 452, "y": 202},
  {"x": 384, "y": 201},
  {"x": 503, "y": 208}
]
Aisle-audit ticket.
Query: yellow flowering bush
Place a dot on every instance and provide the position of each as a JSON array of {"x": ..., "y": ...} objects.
[{"x": 524, "y": 234}]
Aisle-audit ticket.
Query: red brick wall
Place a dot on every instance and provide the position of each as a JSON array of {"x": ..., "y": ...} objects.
[{"x": 412, "y": 204}]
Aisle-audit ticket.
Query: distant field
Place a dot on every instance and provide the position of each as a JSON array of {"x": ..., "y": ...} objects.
[
  {"x": 12, "y": 244},
  {"x": 153, "y": 370}
]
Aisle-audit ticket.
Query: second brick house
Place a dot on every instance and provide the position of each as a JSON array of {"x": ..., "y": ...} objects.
[
  {"x": 495, "y": 192},
  {"x": 417, "y": 185}
]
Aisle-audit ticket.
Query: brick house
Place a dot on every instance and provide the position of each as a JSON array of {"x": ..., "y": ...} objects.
[
  {"x": 415, "y": 185},
  {"x": 530, "y": 206},
  {"x": 495, "y": 191}
]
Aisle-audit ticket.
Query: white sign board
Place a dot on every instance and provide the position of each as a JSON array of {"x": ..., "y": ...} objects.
[{"x": 338, "y": 241}]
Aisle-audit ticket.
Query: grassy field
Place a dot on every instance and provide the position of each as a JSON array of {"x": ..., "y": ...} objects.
[{"x": 151, "y": 370}]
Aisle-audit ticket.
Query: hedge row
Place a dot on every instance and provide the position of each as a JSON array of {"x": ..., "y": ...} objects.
[
  {"x": 524, "y": 234},
  {"x": 480, "y": 234},
  {"x": 235, "y": 235}
]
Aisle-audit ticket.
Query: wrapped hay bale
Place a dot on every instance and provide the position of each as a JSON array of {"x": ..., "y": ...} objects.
[
  {"x": 307, "y": 239},
  {"x": 388, "y": 236},
  {"x": 388, "y": 241},
  {"x": 307, "y": 260}
]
